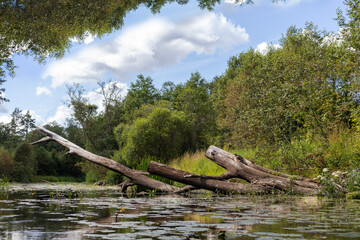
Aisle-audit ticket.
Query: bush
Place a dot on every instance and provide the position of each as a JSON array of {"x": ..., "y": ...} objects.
[
  {"x": 92, "y": 176},
  {"x": 162, "y": 134},
  {"x": 113, "y": 178},
  {"x": 25, "y": 165},
  {"x": 310, "y": 154},
  {"x": 337, "y": 183},
  {"x": 6, "y": 163}
]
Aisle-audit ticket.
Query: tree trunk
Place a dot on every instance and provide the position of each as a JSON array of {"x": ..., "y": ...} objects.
[
  {"x": 239, "y": 167},
  {"x": 260, "y": 179},
  {"x": 136, "y": 176},
  {"x": 204, "y": 182}
]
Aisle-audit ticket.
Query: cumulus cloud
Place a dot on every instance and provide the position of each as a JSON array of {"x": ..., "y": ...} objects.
[
  {"x": 264, "y": 47},
  {"x": 3, "y": 108},
  {"x": 38, "y": 119},
  {"x": 154, "y": 44},
  {"x": 288, "y": 3},
  {"x": 5, "y": 119},
  {"x": 281, "y": 3},
  {"x": 62, "y": 113},
  {"x": 235, "y": 2},
  {"x": 97, "y": 98},
  {"x": 42, "y": 90}
]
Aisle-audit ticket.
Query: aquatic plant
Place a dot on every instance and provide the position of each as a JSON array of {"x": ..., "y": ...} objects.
[
  {"x": 152, "y": 192},
  {"x": 4, "y": 183},
  {"x": 338, "y": 183}
]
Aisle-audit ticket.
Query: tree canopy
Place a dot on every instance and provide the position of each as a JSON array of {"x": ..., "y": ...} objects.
[{"x": 45, "y": 28}]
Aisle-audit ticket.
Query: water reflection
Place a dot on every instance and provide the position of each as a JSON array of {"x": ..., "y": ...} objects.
[{"x": 107, "y": 214}]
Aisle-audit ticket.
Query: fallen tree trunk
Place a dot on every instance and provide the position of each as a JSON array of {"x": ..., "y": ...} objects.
[
  {"x": 261, "y": 180},
  {"x": 137, "y": 177},
  {"x": 239, "y": 167},
  {"x": 204, "y": 182}
]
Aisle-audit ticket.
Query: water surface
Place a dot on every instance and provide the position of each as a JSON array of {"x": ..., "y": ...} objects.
[{"x": 83, "y": 212}]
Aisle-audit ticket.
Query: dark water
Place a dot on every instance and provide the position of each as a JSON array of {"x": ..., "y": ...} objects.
[{"x": 81, "y": 213}]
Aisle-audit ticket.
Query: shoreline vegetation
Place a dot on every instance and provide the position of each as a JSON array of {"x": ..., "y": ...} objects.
[{"x": 294, "y": 109}]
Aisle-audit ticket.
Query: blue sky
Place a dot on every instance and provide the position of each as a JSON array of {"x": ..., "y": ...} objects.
[{"x": 168, "y": 46}]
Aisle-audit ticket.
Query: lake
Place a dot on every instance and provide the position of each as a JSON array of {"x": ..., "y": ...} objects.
[{"x": 77, "y": 211}]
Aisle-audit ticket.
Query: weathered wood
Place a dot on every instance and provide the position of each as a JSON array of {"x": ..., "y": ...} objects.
[
  {"x": 200, "y": 181},
  {"x": 125, "y": 184},
  {"x": 136, "y": 176},
  {"x": 261, "y": 180},
  {"x": 237, "y": 166}
]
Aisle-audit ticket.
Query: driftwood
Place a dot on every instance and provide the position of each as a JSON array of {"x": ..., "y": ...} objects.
[
  {"x": 137, "y": 177},
  {"x": 260, "y": 180},
  {"x": 237, "y": 166}
]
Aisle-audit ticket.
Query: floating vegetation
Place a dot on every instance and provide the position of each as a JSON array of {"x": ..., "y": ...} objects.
[{"x": 84, "y": 212}]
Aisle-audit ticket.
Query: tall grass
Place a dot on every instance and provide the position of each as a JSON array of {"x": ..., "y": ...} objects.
[
  {"x": 308, "y": 155},
  {"x": 197, "y": 163}
]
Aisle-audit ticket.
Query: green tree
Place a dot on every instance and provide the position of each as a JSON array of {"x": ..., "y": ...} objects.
[
  {"x": 162, "y": 134},
  {"x": 350, "y": 23},
  {"x": 308, "y": 86},
  {"x": 15, "y": 123},
  {"x": 140, "y": 93},
  {"x": 193, "y": 98},
  {"x": 94, "y": 129},
  {"x": 46, "y": 164},
  {"x": 5, "y": 133},
  {"x": 167, "y": 91},
  {"x": 6, "y": 163},
  {"x": 97, "y": 127},
  {"x": 83, "y": 113},
  {"x": 25, "y": 166},
  {"x": 27, "y": 123}
]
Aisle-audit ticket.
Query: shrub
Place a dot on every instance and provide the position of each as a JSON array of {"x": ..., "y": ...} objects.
[
  {"x": 310, "y": 154},
  {"x": 92, "y": 176},
  {"x": 6, "y": 163},
  {"x": 113, "y": 178},
  {"x": 162, "y": 134},
  {"x": 337, "y": 183},
  {"x": 24, "y": 163}
]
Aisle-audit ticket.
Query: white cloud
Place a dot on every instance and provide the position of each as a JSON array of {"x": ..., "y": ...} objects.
[
  {"x": 38, "y": 119},
  {"x": 3, "y": 108},
  {"x": 96, "y": 97},
  {"x": 5, "y": 119},
  {"x": 289, "y": 3},
  {"x": 62, "y": 113},
  {"x": 151, "y": 45},
  {"x": 263, "y": 47},
  {"x": 336, "y": 38},
  {"x": 235, "y": 2},
  {"x": 43, "y": 90},
  {"x": 281, "y": 3}
]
